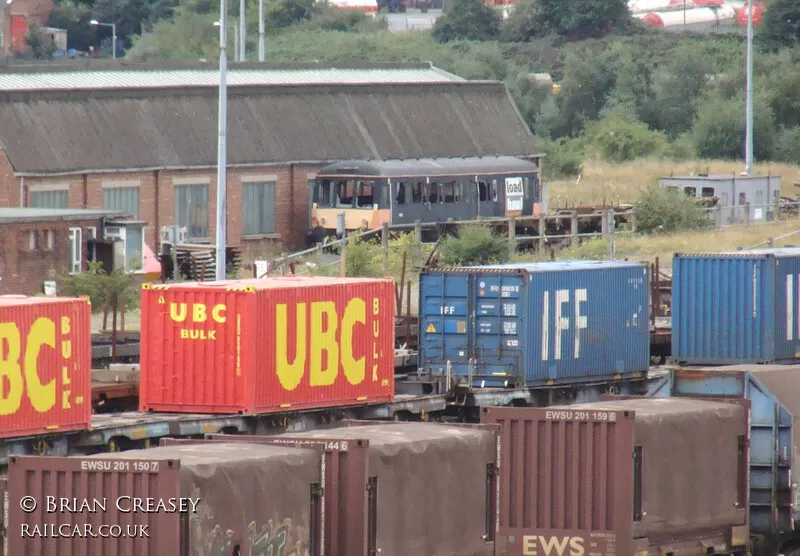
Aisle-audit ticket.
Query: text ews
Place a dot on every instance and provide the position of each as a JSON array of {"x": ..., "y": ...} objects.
[
  {"x": 319, "y": 329},
  {"x": 538, "y": 545},
  {"x": 568, "y": 307},
  {"x": 20, "y": 370}
]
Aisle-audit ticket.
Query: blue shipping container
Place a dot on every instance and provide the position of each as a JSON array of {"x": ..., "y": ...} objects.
[
  {"x": 736, "y": 307},
  {"x": 775, "y": 401},
  {"x": 536, "y": 324}
]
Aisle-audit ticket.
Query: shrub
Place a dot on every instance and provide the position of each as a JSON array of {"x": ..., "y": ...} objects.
[
  {"x": 620, "y": 137},
  {"x": 665, "y": 210},
  {"x": 475, "y": 244}
]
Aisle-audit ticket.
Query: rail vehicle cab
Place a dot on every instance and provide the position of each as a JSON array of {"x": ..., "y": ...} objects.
[{"x": 371, "y": 192}]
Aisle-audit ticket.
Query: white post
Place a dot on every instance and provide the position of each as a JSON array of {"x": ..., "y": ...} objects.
[
  {"x": 242, "y": 31},
  {"x": 222, "y": 163},
  {"x": 262, "y": 36},
  {"x": 748, "y": 149},
  {"x": 114, "y": 40}
]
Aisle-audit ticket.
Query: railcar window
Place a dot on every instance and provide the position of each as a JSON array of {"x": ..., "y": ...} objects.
[
  {"x": 690, "y": 191},
  {"x": 707, "y": 192},
  {"x": 433, "y": 192},
  {"x": 483, "y": 191},
  {"x": 526, "y": 187},
  {"x": 322, "y": 193},
  {"x": 401, "y": 193},
  {"x": 463, "y": 192},
  {"x": 345, "y": 190},
  {"x": 449, "y": 194},
  {"x": 366, "y": 197},
  {"x": 385, "y": 194},
  {"x": 494, "y": 190},
  {"x": 742, "y": 198},
  {"x": 416, "y": 194}
]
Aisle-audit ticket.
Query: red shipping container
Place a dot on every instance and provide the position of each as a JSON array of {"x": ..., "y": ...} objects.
[
  {"x": 268, "y": 345},
  {"x": 45, "y": 365}
]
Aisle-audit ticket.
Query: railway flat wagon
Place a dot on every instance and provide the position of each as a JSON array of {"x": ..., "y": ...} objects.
[
  {"x": 46, "y": 357},
  {"x": 193, "y": 500},
  {"x": 640, "y": 477},
  {"x": 736, "y": 307},
  {"x": 266, "y": 345},
  {"x": 774, "y": 410},
  {"x": 536, "y": 324}
]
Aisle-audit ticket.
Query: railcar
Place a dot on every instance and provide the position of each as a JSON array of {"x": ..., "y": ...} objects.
[{"x": 369, "y": 193}]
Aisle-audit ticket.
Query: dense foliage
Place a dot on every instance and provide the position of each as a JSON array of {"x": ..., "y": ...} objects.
[{"x": 625, "y": 92}]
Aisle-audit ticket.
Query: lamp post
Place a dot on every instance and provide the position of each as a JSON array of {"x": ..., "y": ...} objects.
[
  {"x": 10, "y": 28},
  {"x": 236, "y": 53},
  {"x": 113, "y": 26},
  {"x": 748, "y": 147},
  {"x": 262, "y": 42},
  {"x": 222, "y": 164}
]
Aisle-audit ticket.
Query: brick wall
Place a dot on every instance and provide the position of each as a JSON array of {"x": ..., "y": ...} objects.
[
  {"x": 23, "y": 270},
  {"x": 157, "y": 200}
]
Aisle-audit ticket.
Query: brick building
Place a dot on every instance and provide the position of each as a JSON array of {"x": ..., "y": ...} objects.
[
  {"x": 18, "y": 17},
  {"x": 37, "y": 244},
  {"x": 144, "y": 141}
]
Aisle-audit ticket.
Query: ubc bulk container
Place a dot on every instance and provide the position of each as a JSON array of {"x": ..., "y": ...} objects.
[
  {"x": 433, "y": 486},
  {"x": 261, "y": 346},
  {"x": 774, "y": 437},
  {"x": 192, "y": 500},
  {"x": 639, "y": 476},
  {"x": 46, "y": 352},
  {"x": 536, "y": 324},
  {"x": 736, "y": 307}
]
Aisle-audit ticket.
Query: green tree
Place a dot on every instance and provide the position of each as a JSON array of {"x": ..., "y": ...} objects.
[
  {"x": 576, "y": 19},
  {"x": 98, "y": 286},
  {"x": 42, "y": 47},
  {"x": 620, "y": 137},
  {"x": 719, "y": 131},
  {"x": 470, "y": 20},
  {"x": 663, "y": 210},
  {"x": 781, "y": 25},
  {"x": 678, "y": 89},
  {"x": 475, "y": 244},
  {"x": 787, "y": 148},
  {"x": 74, "y": 18}
]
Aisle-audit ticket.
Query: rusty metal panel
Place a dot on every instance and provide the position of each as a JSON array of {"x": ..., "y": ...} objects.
[
  {"x": 345, "y": 465},
  {"x": 92, "y": 489},
  {"x": 414, "y": 506},
  {"x": 565, "y": 481},
  {"x": 268, "y": 345},
  {"x": 47, "y": 362}
]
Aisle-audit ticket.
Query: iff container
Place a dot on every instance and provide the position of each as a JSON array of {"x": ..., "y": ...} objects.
[
  {"x": 736, "y": 307},
  {"x": 774, "y": 410},
  {"x": 46, "y": 353},
  {"x": 536, "y": 324},
  {"x": 264, "y": 346}
]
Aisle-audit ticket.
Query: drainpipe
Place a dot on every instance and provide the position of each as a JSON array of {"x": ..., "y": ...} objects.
[{"x": 156, "y": 224}]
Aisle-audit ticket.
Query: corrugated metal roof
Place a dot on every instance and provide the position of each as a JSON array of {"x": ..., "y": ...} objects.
[
  {"x": 156, "y": 79},
  {"x": 106, "y": 131},
  {"x": 17, "y": 214}
]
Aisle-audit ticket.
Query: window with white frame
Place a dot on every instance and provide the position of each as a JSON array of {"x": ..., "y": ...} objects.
[
  {"x": 191, "y": 209},
  {"x": 76, "y": 250},
  {"x": 259, "y": 208},
  {"x": 56, "y": 199},
  {"x": 122, "y": 199}
]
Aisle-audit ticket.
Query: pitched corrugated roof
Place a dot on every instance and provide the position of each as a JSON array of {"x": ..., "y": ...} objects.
[
  {"x": 19, "y": 214},
  {"x": 209, "y": 77},
  {"x": 69, "y": 132}
]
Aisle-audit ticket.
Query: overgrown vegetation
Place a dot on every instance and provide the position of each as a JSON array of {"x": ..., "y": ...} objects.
[
  {"x": 100, "y": 286},
  {"x": 665, "y": 210},
  {"x": 474, "y": 244}
]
